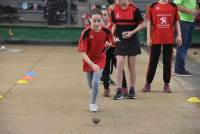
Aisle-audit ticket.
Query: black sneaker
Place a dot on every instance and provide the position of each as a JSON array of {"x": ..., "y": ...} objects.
[
  {"x": 101, "y": 80},
  {"x": 131, "y": 93},
  {"x": 118, "y": 95},
  {"x": 111, "y": 82},
  {"x": 184, "y": 73}
]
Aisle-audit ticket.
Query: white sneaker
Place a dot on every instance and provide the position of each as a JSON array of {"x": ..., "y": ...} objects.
[{"x": 93, "y": 108}]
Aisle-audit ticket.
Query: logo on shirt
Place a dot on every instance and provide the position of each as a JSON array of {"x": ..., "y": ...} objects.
[
  {"x": 163, "y": 20},
  {"x": 91, "y": 37},
  {"x": 157, "y": 8}
]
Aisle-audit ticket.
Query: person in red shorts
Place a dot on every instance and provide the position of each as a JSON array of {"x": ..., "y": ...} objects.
[
  {"x": 162, "y": 17},
  {"x": 92, "y": 48},
  {"x": 127, "y": 21}
]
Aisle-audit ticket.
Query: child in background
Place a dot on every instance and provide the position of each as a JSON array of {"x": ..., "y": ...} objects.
[
  {"x": 161, "y": 19},
  {"x": 92, "y": 48}
]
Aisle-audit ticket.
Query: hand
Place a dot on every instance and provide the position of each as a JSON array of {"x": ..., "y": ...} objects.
[
  {"x": 149, "y": 42},
  {"x": 179, "y": 40},
  {"x": 196, "y": 12},
  {"x": 116, "y": 39},
  {"x": 108, "y": 44},
  {"x": 127, "y": 34},
  {"x": 96, "y": 68}
]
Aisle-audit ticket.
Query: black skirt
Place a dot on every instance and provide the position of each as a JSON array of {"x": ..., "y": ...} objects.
[{"x": 128, "y": 47}]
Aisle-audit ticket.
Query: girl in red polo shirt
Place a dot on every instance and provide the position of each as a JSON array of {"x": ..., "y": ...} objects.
[
  {"x": 110, "y": 60},
  {"x": 92, "y": 48},
  {"x": 127, "y": 21},
  {"x": 161, "y": 19}
]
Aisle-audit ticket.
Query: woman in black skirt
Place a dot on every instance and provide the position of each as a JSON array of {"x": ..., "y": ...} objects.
[{"x": 127, "y": 21}]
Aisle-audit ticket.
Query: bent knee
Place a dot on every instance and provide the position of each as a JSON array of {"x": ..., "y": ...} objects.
[{"x": 120, "y": 65}]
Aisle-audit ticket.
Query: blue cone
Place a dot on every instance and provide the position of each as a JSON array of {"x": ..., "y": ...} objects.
[{"x": 31, "y": 74}]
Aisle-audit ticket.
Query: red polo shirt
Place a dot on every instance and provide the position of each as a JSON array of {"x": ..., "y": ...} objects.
[
  {"x": 163, "y": 18},
  {"x": 93, "y": 44},
  {"x": 125, "y": 19}
]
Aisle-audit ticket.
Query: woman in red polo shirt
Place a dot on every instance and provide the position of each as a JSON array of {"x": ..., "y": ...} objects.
[
  {"x": 161, "y": 19},
  {"x": 127, "y": 21},
  {"x": 92, "y": 48}
]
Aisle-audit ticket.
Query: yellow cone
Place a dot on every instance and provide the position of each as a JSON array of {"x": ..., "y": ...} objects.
[
  {"x": 193, "y": 100},
  {"x": 1, "y": 97},
  {"x": 22, "y": 81}
]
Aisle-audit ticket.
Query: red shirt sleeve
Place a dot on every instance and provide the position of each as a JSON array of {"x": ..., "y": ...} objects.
[
  {"x": 82, "y": 45},
  {"x": 110, "y": 38},
  {"x": 138, "y": 16}
]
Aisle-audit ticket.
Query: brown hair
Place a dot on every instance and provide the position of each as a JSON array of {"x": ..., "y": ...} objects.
[{"x": 95, "y": 12}]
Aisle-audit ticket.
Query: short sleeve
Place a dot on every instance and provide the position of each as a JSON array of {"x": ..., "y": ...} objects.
[
  {"x": 109, "y": 36},
  {"x": 138, "y": 16},
  {"x": 82, "y": 45}
]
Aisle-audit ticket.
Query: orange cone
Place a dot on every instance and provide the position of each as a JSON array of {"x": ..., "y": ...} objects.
[{"x": 27, "y": 77}]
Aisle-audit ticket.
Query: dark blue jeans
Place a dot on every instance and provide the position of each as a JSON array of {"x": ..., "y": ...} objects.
[{"x": 181, "y": 52}]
